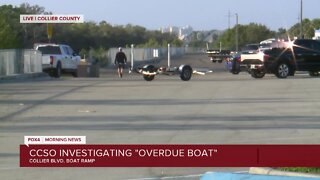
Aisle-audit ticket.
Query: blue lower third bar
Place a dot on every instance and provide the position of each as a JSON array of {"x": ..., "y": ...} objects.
[{"x": 235, "y": 176}]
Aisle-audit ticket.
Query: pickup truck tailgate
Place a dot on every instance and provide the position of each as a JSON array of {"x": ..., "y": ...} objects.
[
  {"x": 257, "y": 58},
  {"x": 45, "y": 59}
]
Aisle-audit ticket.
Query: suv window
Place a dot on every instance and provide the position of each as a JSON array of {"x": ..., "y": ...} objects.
[
  {"x": 315, "y": 46},
  {"x": 307, "y": 46}
]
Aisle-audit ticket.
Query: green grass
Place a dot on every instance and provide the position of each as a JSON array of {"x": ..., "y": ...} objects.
[{"x": 315, "y": 170}]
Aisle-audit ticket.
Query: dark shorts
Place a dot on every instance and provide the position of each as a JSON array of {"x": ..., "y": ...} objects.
[{"x": 120, "y": 65}]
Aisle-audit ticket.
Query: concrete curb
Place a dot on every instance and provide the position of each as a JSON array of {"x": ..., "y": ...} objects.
[
  {"x": 270, "y": 171},
  {"x": 23, "y": 76}
]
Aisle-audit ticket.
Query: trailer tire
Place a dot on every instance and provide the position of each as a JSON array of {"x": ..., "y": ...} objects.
[
  {"x": 185, "y": 72},
  {"x": 151, "y": 69}
]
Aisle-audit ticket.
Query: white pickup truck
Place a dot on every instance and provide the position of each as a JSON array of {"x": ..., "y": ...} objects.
[
  {"x": 58, "y": 58},
  {"x": 253, "y": 56}
]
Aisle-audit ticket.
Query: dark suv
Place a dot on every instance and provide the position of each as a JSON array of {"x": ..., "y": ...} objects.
[{"x": 299, "y": 55}]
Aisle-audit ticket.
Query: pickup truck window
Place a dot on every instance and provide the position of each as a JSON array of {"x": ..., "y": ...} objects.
[
  {"x": 66, "y": 50},
  {"x": 50, "y": 49},
  {"x": 70, "y": 51}
]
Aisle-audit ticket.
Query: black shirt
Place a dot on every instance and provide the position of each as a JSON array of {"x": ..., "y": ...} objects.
[{"x": 120, "y": 58}]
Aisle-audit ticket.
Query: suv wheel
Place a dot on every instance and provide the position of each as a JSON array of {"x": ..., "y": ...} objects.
[{"x": 282, "y": 70}]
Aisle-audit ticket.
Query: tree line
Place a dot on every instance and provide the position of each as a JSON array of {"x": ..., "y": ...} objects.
[
  {"x": 254, "y": 33},
  {"x": 99, "y": 37},
  {"x": 82, "y": 37}
]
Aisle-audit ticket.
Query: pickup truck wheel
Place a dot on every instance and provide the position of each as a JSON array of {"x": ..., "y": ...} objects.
[
  {"x": 314, "y": 73},
  {"x": 57, "y": 71},
  {"x": 185, "y": 72},
  {"x": 74, "y": 74},
  {"x": 282, "y": 70},
  {"x": 257, "y": 74}
]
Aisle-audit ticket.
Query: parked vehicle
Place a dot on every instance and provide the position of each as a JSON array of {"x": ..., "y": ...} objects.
[
  {"x": 250, "y": 53},
  {"x": 58, "y": 58},
  {"x": 285, "y": 59},
  {"x": 218, "y": 55}
]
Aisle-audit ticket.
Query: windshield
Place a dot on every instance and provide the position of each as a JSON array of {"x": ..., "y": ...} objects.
[{"x": 251, "y": 47}]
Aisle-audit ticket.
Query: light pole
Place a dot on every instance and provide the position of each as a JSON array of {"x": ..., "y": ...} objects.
[
  {"x": 132, "y": 57},
  {"x": 169, "y": 54},
  {"x": 301, "y": 19}
]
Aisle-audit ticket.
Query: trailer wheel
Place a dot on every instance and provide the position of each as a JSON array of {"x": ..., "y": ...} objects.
[
  {"x": 150, "y": 69},
  {"x": 185, "y": 72}
]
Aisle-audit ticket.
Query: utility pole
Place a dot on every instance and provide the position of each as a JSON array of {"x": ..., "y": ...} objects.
[
  {"x": 237, "y": 33},
  {"x": 301, "y": 19},
  {"x": 237, "y": 28},
  {"x": 229, "y": 16}
]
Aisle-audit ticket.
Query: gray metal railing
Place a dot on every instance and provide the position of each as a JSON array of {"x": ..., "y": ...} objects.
[
  {"x": 146, "y": 54},
  {"x": 20, "y": 61}
]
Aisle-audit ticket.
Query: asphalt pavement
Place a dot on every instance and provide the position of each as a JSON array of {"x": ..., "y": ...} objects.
[{"x": 217, "y": 108}]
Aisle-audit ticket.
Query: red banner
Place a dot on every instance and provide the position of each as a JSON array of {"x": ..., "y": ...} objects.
[{"x": 170, "y": 155}]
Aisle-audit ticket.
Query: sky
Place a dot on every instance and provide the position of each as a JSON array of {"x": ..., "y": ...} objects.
[{"x": 199, "y": 14}]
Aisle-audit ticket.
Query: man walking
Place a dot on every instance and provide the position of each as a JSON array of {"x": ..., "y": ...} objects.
[{"x": 121, "y": 61}]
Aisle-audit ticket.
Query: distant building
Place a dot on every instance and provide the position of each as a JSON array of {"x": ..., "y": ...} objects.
[
  {"x": 184, "y": 32},
  {"x": 181, "y": 32},
  {"x": 316, "y": 34}
]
